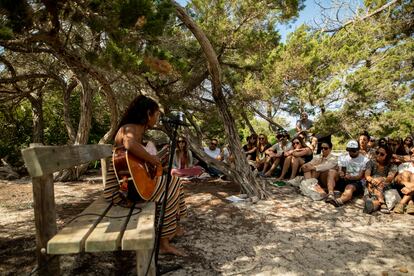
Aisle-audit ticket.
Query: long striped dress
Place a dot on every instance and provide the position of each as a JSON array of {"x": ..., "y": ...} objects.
[{"x": 175, "y": 208}]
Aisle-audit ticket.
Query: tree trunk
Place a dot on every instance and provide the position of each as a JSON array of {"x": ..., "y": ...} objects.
[
  {"x": 246, "y": 120},
  {"x": 84, "y": 127},
  {"x": 66, "y": 111},
  {"x": 242, "y": 173},
  {"x": 36, "y": 100}
]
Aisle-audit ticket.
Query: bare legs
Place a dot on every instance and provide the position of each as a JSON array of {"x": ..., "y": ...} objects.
[{"x": 293, "y": 161}]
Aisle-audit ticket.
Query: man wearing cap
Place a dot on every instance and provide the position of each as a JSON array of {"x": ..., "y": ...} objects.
[{"x": 348, "y": 177}]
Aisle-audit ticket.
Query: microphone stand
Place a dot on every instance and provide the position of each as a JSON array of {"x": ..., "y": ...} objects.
[{"x": 175, "y": 126}]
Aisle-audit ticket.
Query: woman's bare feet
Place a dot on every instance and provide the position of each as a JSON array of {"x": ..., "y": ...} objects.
[{"x": 167, "y": 248}]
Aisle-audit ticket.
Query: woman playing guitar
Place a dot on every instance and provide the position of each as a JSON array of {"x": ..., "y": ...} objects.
[{"x": 142, "y": 114}]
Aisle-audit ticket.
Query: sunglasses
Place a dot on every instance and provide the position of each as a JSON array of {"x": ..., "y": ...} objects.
[
  {"x": 296, "y": 143},
  {"x": 213, "y": 144},
  {"x": 261, "y": 138},
  {"x": 181, "y": 141},
  {"x": 324, "y": 148},
  {"x": 352, "y": 150},
  {"x": 380, "y": 153}
]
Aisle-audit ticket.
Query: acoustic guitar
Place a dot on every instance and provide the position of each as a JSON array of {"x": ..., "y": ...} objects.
[{"x": 128, "y": 167}]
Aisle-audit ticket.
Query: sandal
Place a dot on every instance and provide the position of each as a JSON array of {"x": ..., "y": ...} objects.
[
  {"x": 330, "y": 198},
  {"x": 399, "y": 208},
  {"x": 410, "y": 209},
  {"x": 384, "y": 209},
  {"x": 369, "y": 206}
]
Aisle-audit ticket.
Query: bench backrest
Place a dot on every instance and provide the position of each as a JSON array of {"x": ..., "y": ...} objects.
[{"x": 43, "y": 160}]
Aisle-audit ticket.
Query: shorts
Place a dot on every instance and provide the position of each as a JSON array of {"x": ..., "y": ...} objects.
[{"x": 358, "y": 184}]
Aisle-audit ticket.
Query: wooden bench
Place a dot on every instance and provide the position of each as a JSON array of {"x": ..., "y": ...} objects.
[{"x": 92, "y": 230}]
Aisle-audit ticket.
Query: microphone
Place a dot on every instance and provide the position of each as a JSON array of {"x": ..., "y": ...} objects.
[{"x": 175, "y": 118}]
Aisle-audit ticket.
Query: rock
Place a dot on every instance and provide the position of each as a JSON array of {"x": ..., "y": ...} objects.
[
  {"x": 6, "y": 172},
  {"x": 403, "y": 270}
]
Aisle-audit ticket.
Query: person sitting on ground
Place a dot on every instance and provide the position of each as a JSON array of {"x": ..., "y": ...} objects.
[
  {"x": 405, "y": 178},
  {"x": 392, "y": 144},
  {"x": 382, "y": 141},
  {"x": 141, "y": 115},
  {"x": 320, "y": 165},
  {"x": 295, "y": 158},
  {"x": 276, "y": 153},
  {"x": 310, "y": 140},
  {"x": 363, "y": 140},
  {"x": 251, "y": 147},
  {"x": 183, "y": 162},
  {"x": 372, "y": 145},
  {"x": 214, "y": 152},
  {"x": 348, "y": 177},
  {"x": 408, "y": 144},
  {"x": 262, "y": 146},
  {"x": 379, "y": 174}
]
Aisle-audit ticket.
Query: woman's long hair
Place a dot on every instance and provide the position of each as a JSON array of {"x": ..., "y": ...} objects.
[
  {"x": 388, "y": 157},
  {"x": 185, "y": 151},
  {"x": 138, "y": 111}
]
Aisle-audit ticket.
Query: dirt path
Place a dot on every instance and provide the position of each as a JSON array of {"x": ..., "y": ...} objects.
[{"x": 290, "y": 235}]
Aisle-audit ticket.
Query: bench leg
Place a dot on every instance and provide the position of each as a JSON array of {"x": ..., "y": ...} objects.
[{"x": 143, "y": 258}]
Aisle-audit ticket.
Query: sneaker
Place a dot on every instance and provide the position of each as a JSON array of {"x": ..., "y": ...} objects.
[
  {"x": 204, "y": 176},
  {"x": 295, "y": 181}
]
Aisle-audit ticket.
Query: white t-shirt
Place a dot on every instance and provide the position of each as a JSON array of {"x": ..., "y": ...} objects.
[
  {"x": 212, "y": 153},
  {"x": 406, "y": 166},
  {"x": 354, "y": 166},
  {"x": 278, "y": 147}
]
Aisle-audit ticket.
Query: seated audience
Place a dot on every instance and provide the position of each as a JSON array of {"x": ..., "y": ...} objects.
[
  {"x": 408, "y": 144},
  {"x": 379, "y": 174},
  {"x": 276, "y": 153},
  {"x": 320, "y": 165},
  {"x": 405, "y": 178},
  {"x": 348, "y": 177},
  {"x": 295, "y": 158},
  {"x": 214, "y": 152},
  {"x": 251, "y": 147},
  {"x": 363, "y": 145},
  {"x": 262, "y": 146},
  {"x": 183, "y": 161}
]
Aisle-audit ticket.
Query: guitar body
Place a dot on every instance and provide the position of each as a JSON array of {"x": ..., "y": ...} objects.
[{"x": 130, "y": 168}]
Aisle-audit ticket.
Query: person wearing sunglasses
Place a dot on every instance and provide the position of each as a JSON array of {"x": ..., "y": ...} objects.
[
  {"x": 183, "y": 162},
  {"x": 262, "y": 146},
  {"x": 348, "y": 177},
  {"x": 251, "y": 147},
  {"x": 275, "y": 154},
  {"x": 295, "y": 158},
  {"x": 320, "y": 165},
  {"x": 379, "y": 174},
  {"x": 405, "y": 182}
]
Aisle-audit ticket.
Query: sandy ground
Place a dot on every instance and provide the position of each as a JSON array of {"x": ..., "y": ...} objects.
[{"x": 289, "y": 235}]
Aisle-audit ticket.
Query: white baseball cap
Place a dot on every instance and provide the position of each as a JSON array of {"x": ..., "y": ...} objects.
[{"x": 352, "y": 145}]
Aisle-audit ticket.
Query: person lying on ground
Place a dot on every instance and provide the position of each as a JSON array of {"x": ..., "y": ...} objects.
[
  {"x": 295, "y": 158},
  {"x": 275, "y": 154},
  {"x": 379, "y": 174},
  {"x": 320, "y": 165},
  {"x": 405, "y": 179},
  {"x": 183, "y": 162},
  {"x": 348, "y": 177}
]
